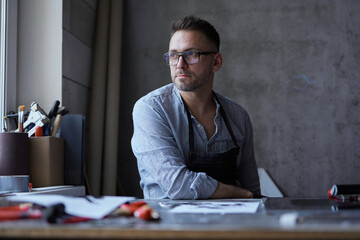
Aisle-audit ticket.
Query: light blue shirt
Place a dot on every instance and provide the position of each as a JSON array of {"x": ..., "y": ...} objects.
[{"x": 161, "y": 145}]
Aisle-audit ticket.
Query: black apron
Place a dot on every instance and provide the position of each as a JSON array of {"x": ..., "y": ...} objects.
[{"x": 220, "y": 166}]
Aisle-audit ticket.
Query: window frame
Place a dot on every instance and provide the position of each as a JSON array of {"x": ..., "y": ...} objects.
[{"x": 8, "y": 58}]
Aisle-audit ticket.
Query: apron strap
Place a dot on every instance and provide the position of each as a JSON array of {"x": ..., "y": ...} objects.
[
  {"x": 227, "y": 123},
  {"x": 191, "y": 133}
]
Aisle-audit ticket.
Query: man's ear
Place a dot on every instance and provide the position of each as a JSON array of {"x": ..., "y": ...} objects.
[{"x": 218, "y": 62}]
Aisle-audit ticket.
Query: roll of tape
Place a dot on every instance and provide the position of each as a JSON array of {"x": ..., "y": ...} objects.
[{"x": 16, "y": 183}]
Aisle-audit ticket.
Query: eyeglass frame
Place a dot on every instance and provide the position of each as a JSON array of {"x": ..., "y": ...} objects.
[{"x": 182, "y": 54}]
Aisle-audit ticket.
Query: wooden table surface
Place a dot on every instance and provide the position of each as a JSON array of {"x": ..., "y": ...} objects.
[{"x": 319, "y": 219}]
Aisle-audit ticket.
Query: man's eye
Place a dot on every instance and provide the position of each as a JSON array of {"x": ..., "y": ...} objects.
[
  {"x": 172, "y": 55},
  {"x": 190, "y": 53}
]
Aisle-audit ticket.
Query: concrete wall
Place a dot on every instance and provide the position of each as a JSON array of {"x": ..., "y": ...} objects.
[
  {"x": 79, "y": 18},
  {"x": 39, "y": 53},
  {"x": 55, "y": 41},
  {"x": 292, "y": 64}
]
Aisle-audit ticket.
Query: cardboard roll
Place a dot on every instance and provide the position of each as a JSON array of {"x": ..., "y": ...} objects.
[{"x": 16, "y": 183}]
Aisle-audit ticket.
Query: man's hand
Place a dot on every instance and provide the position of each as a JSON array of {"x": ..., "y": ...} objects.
[{"x": 229, "y": 191}]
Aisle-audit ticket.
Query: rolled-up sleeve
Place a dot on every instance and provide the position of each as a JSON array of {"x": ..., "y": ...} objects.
[
  {"x": 247, "y": 169},
  {"x": 161, "y": 163}
]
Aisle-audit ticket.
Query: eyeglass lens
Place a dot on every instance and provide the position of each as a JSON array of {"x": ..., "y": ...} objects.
[{"x": 189, "y": 57}]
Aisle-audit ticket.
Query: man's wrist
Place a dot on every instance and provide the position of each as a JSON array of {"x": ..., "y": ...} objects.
[{"x": 230, "y": 191}]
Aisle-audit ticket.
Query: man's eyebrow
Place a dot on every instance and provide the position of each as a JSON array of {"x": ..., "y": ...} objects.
[{"x": 188, "y": 49}]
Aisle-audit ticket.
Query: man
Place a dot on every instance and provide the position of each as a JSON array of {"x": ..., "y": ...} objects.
[{"x": 190, "y": 142}]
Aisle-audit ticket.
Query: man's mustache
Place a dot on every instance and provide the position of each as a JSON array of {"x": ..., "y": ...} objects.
[{"x": 182, "y": 72}]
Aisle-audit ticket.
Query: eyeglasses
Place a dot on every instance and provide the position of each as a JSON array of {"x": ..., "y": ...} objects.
[{"x": 190, "y": 57}]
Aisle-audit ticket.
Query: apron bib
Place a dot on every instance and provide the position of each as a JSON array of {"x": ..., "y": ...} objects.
[{"x": 220, "y": 166}]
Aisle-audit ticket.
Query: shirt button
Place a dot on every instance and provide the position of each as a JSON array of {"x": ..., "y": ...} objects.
[{"x": 199, "y": 126}]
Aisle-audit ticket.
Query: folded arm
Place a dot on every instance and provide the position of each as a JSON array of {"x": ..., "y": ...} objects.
[
  {"x": 230, "y": 191},
  {"x": 161, "y": 162}
]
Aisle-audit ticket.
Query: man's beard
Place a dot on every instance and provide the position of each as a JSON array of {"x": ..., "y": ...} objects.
[{"x": 195, "y": 83}]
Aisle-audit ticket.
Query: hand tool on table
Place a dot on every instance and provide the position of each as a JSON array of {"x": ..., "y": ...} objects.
[
  {"x": 52, "y": 114},
  {"x": 139, "y": 209},
  {"x": 54, "y": 109},
  {"x": 37, "y": 117},
  {"x": 17, "y": 212},
  {"x": 61, "y": 112},
  {"x": 56, "y": 214}
]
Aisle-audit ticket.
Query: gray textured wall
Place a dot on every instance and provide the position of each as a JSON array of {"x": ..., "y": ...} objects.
[
  {"x": 294, "y": 65},
  {"x": 79, "y": 18}
]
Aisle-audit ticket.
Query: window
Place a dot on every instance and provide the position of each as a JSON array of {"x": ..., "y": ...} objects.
[
  {"x": 21, "y": 57},
  {"x": 3, "y": 54},
  {"x": 8, "y": 56}
]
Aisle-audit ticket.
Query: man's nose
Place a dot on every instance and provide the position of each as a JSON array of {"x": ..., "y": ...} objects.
[{"x": 181, "y": 62}]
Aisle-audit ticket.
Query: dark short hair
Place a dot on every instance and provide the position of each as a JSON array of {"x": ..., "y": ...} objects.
[{"x": 197, "y": 24}]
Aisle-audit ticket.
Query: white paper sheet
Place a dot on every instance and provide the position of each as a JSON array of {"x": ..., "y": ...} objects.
[
  {"x": 216, "y": 207},
  {"x": 90, "y": 207}
]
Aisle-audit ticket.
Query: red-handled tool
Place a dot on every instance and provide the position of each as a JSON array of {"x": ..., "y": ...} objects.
[
  {"x": 139, "y": 209},
  {"x": 130, "y": 208},
  {"x": 20, "y": 208},
  {"x": 146, "y": 213},
  {"x": 22, "y": 211}
]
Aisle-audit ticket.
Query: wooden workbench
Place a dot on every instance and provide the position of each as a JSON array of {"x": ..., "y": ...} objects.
[{"x": 320, "y": 219}]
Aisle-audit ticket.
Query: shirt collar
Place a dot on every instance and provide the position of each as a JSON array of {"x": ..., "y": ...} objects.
[{"x": 178, "y": 96}]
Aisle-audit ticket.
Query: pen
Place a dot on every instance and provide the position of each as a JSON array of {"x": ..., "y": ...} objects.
[{"x": 88, "y": 199}]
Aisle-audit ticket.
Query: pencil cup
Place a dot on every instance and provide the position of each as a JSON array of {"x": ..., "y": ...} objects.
[
  {"x": 14, "y": 153},
  {"x": 46, "y": 161}
]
